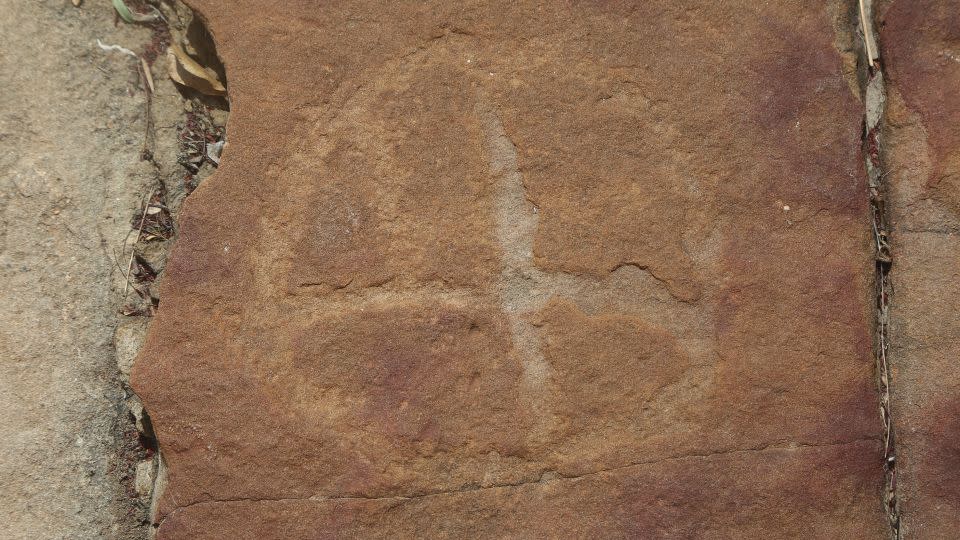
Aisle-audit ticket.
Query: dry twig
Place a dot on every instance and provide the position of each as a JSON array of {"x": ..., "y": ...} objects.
[
  {"x": 867, "y": 33},
  {"x": 133, "y": 251}
]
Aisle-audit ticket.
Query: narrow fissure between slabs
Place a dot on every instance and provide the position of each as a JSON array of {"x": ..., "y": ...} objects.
[
  {"x": 184, "y": 136},
  {"x": 874, "y": 99}
]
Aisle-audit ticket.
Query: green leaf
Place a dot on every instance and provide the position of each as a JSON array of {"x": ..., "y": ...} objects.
[
  {"x": 131, "y": 17},
  {"x": 123, "y": 10}
]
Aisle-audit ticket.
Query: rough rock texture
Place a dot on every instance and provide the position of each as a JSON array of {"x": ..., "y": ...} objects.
[
  {"x": 513, "y": 269},
  {"x": 71, "y": 130},
  {"x": 921, "y": 41}
]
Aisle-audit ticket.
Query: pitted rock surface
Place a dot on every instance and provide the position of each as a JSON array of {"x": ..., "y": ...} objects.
[
  {"x": 922, "y": 49},
  {"x": 518, "y": 269}
]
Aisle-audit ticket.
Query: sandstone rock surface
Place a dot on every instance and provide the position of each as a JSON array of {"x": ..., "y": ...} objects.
[
  {"x": 921, "y": 43},
  {"x": 516, "y": 269}
]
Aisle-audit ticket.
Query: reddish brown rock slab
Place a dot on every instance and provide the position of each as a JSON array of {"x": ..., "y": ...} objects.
[
  {"x": 772, "y": 493},
  {"x": 454, "y": 247},
  {"x": 921, "y": 46}
]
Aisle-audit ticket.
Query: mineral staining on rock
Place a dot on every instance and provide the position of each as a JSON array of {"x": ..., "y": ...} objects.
[
  {"x": 517, "y": 269},
  {"x": 921, "y": 47}
]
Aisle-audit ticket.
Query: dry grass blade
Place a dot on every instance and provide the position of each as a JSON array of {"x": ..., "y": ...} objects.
[
  {"x": 147, "y": 75},
  {"x": 867, "y": 33},
  {"x": 133, "y": 251}
]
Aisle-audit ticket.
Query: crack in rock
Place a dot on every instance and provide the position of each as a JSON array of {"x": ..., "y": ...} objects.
[{"x": 545, "y": 477}]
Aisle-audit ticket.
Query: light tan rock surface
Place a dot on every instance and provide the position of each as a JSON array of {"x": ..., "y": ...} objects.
[
  {"x": 72, "y": 128},
  {"x": 921, "y": 43},
  {"x": 509, "y": 269}
]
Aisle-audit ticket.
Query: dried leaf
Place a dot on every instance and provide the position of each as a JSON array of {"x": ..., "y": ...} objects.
[
  {"x": 214, "y": 150},
  {"x": 186, "y": 71},
  {"x": 130, "y": 310},
  {"x": 143, "y": 271}
]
